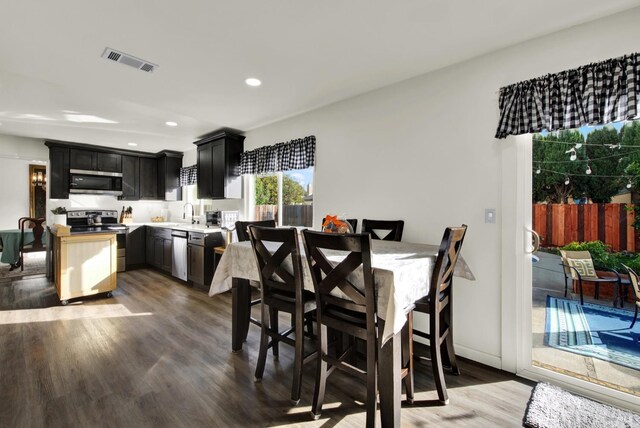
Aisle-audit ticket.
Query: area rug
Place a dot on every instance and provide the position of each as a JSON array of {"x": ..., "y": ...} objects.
[
  {"x": 34, "y": 264},
  {"x": 553, "y": 407},
  {"x": 593, "y": 330}
]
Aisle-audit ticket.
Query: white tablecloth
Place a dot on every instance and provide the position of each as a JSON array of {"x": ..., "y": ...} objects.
[{"x": 402, "y": 274}]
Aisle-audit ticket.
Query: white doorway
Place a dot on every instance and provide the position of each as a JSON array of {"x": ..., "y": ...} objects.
[{"x": 517, "y": 273}]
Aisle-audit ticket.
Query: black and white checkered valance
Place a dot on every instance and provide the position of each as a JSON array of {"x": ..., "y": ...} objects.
[
  {"x": 593, "y": 94},
  {"x": 295, "y": 154},
  {"x": 189, "y": 175}
]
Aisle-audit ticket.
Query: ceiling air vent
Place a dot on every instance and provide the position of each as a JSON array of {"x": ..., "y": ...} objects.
[{"x": 130, "y": 60}]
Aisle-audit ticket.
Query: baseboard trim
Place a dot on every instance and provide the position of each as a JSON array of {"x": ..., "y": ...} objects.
[{"x": 479, "y": 356}]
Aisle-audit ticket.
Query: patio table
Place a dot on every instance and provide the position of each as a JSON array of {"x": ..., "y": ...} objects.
[{"x": 402, "y": 275}]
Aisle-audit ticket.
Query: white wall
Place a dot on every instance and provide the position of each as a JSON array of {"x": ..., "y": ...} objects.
[
  {"x": 16, "y": 153},
  {"x": 423, "y": 151}
]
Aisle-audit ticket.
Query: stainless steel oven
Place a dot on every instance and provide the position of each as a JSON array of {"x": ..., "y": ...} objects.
[{"x": 95, "y": 182}]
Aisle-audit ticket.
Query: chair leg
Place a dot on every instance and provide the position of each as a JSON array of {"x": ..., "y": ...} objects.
[
  {"x": 407, "y": 356},
  {"x": 297, "y": 365},
  {"x": 581, "y": 296},
  {"x": 451, "y": 352},
  {"x": 264, "y": 343},
  {"x": 274, "y": 327},
  {"x": 436, "y": 359},
  {"x": 372, "y": 390},
  {"x": 321, "y": 372},
  {"x": 635, "y": 318},
  {"x": 566, "y": 285},
  {"x": 21, "y": 262}
]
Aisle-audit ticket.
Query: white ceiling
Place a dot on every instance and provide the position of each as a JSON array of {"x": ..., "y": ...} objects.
[{"x": 308, "y": 54}]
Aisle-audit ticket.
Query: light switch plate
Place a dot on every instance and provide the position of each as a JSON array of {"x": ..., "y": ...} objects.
[{"x": 490, "y": 215}]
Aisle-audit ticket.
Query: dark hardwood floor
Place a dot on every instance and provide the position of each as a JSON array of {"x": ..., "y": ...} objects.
[{"x": 158, "y": 354}]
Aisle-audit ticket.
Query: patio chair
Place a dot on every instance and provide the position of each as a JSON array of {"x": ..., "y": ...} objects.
[
  {"x": 633, "y": 277},
  {"x": 578, "y": 265}
]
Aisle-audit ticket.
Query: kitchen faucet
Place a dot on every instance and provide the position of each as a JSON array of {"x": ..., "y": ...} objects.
[{"x": 184, "y": 215}]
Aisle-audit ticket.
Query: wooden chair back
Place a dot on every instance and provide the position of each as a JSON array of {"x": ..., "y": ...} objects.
[
  {"x": 242, "y": 227},
  {"x": 274, "y": 275},
  {"x": 353, "y": 222},
  {"x": 329, "y": 275},
  {"x": 38, "y": 232},
  {"x": 442, "y": 277},
  {"x": 395, "y": 228}
]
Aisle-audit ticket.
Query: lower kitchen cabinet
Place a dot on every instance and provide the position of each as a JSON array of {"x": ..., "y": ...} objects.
[
  {"x": 154, "y": 245},
  {"x": 200, "y": 257},
  {"x": 159, "y": 248},
  {"x": 136, "y": 245}
]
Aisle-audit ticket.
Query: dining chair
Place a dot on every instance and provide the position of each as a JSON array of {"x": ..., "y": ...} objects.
[
  {"x": 242, "y": 231},
  {"x": 578, "y": 265},
  {"x": 353, "y": 222},
  {"x": 394, "y": 228},
  {"x": 437, "y": 304},
  {"x": 38, "y": 231},
  {"x": 353, "y": 313},
  {"x": 281, "y": 290},
  {"x": 633, "y": 277},
  {"x": 242, "y": 227}
]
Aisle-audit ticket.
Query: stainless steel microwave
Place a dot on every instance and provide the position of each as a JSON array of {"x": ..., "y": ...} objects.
[{"x": 95, "y": 182}]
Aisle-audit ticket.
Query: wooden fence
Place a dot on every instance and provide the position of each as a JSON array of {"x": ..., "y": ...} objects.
[
  {"x": 292, "y": 215},
  {"x": 560, "y": 224}
]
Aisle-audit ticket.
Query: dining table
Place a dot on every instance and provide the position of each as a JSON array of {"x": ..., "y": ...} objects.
[
  {"x": 11, "y": 245},
  {"x": 402, "y": 275}
]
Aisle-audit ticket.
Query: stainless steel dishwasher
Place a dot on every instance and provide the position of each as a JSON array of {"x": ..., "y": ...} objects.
[{"x": 179, "y": 258}]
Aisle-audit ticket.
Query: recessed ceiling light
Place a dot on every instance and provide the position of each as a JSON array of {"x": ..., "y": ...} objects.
[
  {"x": 171, "y": 123},
  {"x": 133, "y": 144},
  {"x": 252, "y": 81}
]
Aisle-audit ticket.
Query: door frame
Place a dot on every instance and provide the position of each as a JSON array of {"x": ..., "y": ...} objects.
[{"x": 517, "y": 269}]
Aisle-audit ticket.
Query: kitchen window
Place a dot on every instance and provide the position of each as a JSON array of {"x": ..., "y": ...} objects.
[{"x": 285, "y": 196}]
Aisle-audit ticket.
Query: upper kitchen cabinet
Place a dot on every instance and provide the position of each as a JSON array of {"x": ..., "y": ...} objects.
[
  {"x": 219, "y": 166},
  {"x": 149, "y": 178},
  {"x": 90, "y": 160},
  {"x": 130, "y": 178},
  {"x": 169, "y": 164},
  {"x": 145, "y": 176},
  {"x": 58, "y": 173}
]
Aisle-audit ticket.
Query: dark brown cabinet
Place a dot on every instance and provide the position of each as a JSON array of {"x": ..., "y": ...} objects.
[
  {"x": 136, "y": 246},
  {"x": 89, "y": 160},
  {"x": 200, "y": 257},
  {"x": 145, "y": 176},
  {"x": 130, "y": 178},
  {"x": 159, "y": 251},
  {"x": 82, "y": 159},
  {"x": 169, "y": 164},
  {"x": 58, "y": 173},
  {"x": 148, "y": 178},
  {"x": 109, "y": 162},
  {"x": 219, "y": 166}
]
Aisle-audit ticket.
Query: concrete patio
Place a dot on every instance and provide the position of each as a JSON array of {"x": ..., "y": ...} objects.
[{"x": 548, "y": 279}]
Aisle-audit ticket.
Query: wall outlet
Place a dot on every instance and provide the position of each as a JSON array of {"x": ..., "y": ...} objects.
[{"x": 490, "y": 215}]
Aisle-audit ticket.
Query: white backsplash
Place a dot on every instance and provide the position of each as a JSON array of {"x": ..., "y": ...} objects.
[{"x": 143, "y": 211}]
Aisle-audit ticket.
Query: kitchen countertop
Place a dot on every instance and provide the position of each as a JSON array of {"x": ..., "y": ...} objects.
[{"x": 180, "y": 226}]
